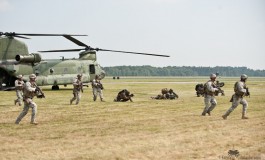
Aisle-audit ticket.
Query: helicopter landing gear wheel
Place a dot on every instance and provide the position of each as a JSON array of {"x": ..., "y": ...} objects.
[{"x": 56, "y": 87}]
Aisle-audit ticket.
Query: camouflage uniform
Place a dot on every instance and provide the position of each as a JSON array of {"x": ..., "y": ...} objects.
[
  {"x": 28, "y": 94},
  {"x": 171, "y": 94},
  {"x": 124, "y": 96},
  {"x": 240, "y": 89},
  {"x": 78, "y": 86},
  {"x": 209, "y": 99},
  {"x": 97, "y": 88},
  {"x": 19, "y": 83}
]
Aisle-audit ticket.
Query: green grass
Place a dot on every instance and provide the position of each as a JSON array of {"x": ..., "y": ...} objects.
[{"x": 143, "y": 129}]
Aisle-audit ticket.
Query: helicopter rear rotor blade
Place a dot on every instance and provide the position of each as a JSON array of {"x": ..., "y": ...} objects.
[
  {"x": 22, "y": 37},
  {"x": 161, "y": 55},
  {"x": 75, "y": 40},
  {"x": 63, "y": 50}
]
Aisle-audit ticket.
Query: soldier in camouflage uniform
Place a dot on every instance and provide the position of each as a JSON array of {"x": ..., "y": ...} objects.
[
  {"x": 97, "y": 88},
  {"x": 241, "y": 90},
  {"x": 78, "y": 86},
  {"x": 209, "y": 99},
  {"x": 28, "y": 94},
  {"x": 19, "y": 83},
  {"x": 124, "y": 96}
]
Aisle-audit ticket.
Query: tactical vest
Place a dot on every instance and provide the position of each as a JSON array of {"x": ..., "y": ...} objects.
[
  {"x": 237, "y": 92},
  {"x": 26, "y": 92},
  {"x": 206, "y": 91}
]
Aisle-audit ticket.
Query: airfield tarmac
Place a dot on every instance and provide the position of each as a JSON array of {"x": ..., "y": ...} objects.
[{"x": 143, "y": 129}]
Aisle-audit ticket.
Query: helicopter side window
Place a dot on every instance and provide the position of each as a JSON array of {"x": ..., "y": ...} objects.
[
  {"x": 51, "y": 70},
  {"x": 92, "y": 69}
]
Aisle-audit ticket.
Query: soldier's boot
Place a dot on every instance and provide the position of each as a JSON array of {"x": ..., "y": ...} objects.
[
  {"x": 94, "y": 98},
  {"x": 244, "y": 115},
  {"x": 102, "y": 100},
  {"x": 224, "y": 117},
  {"x": 15, "y": 102},
  {"x": 35, "y": 123},
  {"x": 209, "y": 113},
  {"x": 71, "y": 102}
]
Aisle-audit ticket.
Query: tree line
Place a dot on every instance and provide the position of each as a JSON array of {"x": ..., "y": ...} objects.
[{"x": 147, "y": 70}]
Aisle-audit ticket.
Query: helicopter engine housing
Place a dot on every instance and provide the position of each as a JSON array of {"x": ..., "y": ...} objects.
[{"x": 31, "y": 58}]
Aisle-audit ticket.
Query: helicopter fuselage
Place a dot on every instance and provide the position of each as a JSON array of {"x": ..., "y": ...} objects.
[{"x": 15, "y": 61}]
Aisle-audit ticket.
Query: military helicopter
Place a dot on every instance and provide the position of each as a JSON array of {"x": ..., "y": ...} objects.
[{"x": 15, "y": 60}]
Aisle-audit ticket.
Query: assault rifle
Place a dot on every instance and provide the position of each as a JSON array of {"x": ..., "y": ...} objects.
[
  {"x": 247, "y": 92},
  {"x": 218, "y": 86},
  {"x": 39, "y": 92}
]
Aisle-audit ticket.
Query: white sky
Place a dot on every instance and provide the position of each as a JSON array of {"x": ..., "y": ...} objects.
[{"x": 193, "y": 32}]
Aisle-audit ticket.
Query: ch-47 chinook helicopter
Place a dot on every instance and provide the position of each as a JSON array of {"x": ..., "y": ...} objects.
[{"x": 15, "y": 60}]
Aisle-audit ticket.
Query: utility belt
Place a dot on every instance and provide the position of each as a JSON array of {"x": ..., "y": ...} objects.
[
  {"x": 210, "y": 93},
  {"x": 240, "y": 95},
  {"x": 27, "y": 98}
]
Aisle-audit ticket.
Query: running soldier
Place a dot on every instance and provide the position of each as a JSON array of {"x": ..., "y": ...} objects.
[
  {"x": 97, "y": 88},
  {"x": 241, "y": 90},
  {"x": 30, "y": 90},
  {"x": 78, "y": 86},
  {"x": 124, "y": 96},
  {"x": 19, "y": 83},
  {"x": 209, "y": 92}
]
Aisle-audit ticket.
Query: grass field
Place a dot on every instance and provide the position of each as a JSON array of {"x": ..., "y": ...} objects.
[{"x": 143, "y": 129}]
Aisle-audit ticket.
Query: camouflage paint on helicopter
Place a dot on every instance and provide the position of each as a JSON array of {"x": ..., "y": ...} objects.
[{"x": 15, "y": 60}]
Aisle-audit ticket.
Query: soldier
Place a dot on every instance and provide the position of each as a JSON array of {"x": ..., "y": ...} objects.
[
  {"x": 241, "y": 90},
  {"x": 19, "y": 83},
  {"x": 97, "y": 88},
  {"x": 78, "y": 86},
  {"x": 29, "y": 92},
  {"x": 124, "y": 96},
  {"x": 209, "y": 99},
  {"x": 171, "y": 94}
]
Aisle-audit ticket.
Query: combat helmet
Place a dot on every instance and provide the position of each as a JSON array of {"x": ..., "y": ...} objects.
[
  {"x": 212, "y": 75},
  {"x": 19, "y": 76},
  {"x": 243, "y": 76},
  {"x": 32, "y": 76}
]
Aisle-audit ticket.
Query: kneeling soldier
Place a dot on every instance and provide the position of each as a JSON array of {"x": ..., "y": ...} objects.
[{"x": 124, "y": 96}]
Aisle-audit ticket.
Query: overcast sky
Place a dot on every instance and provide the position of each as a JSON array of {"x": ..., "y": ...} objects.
[{"x": 193, "y": 32}]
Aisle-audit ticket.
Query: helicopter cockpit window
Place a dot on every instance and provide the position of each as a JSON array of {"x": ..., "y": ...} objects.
[
  {"x": 51, "y": 70},
  {"x": 92, "y": 69}
]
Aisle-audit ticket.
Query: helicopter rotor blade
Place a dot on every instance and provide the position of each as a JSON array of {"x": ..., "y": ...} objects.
[
  {"x": 21, "y": 37},
  {"x": 99, "y": 49},
  {"x": 75, "y": 40},
  {"x": 63, "y": 50}
]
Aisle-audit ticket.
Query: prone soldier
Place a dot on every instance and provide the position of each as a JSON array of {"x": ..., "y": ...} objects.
[
  {"x": 78, "y": 86},
  {"x": 124, "y": 96},
  {"x": 19, "y": 83},
  {"x": 29, "y": 91},
  {"x": 241, "y": 90}
]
